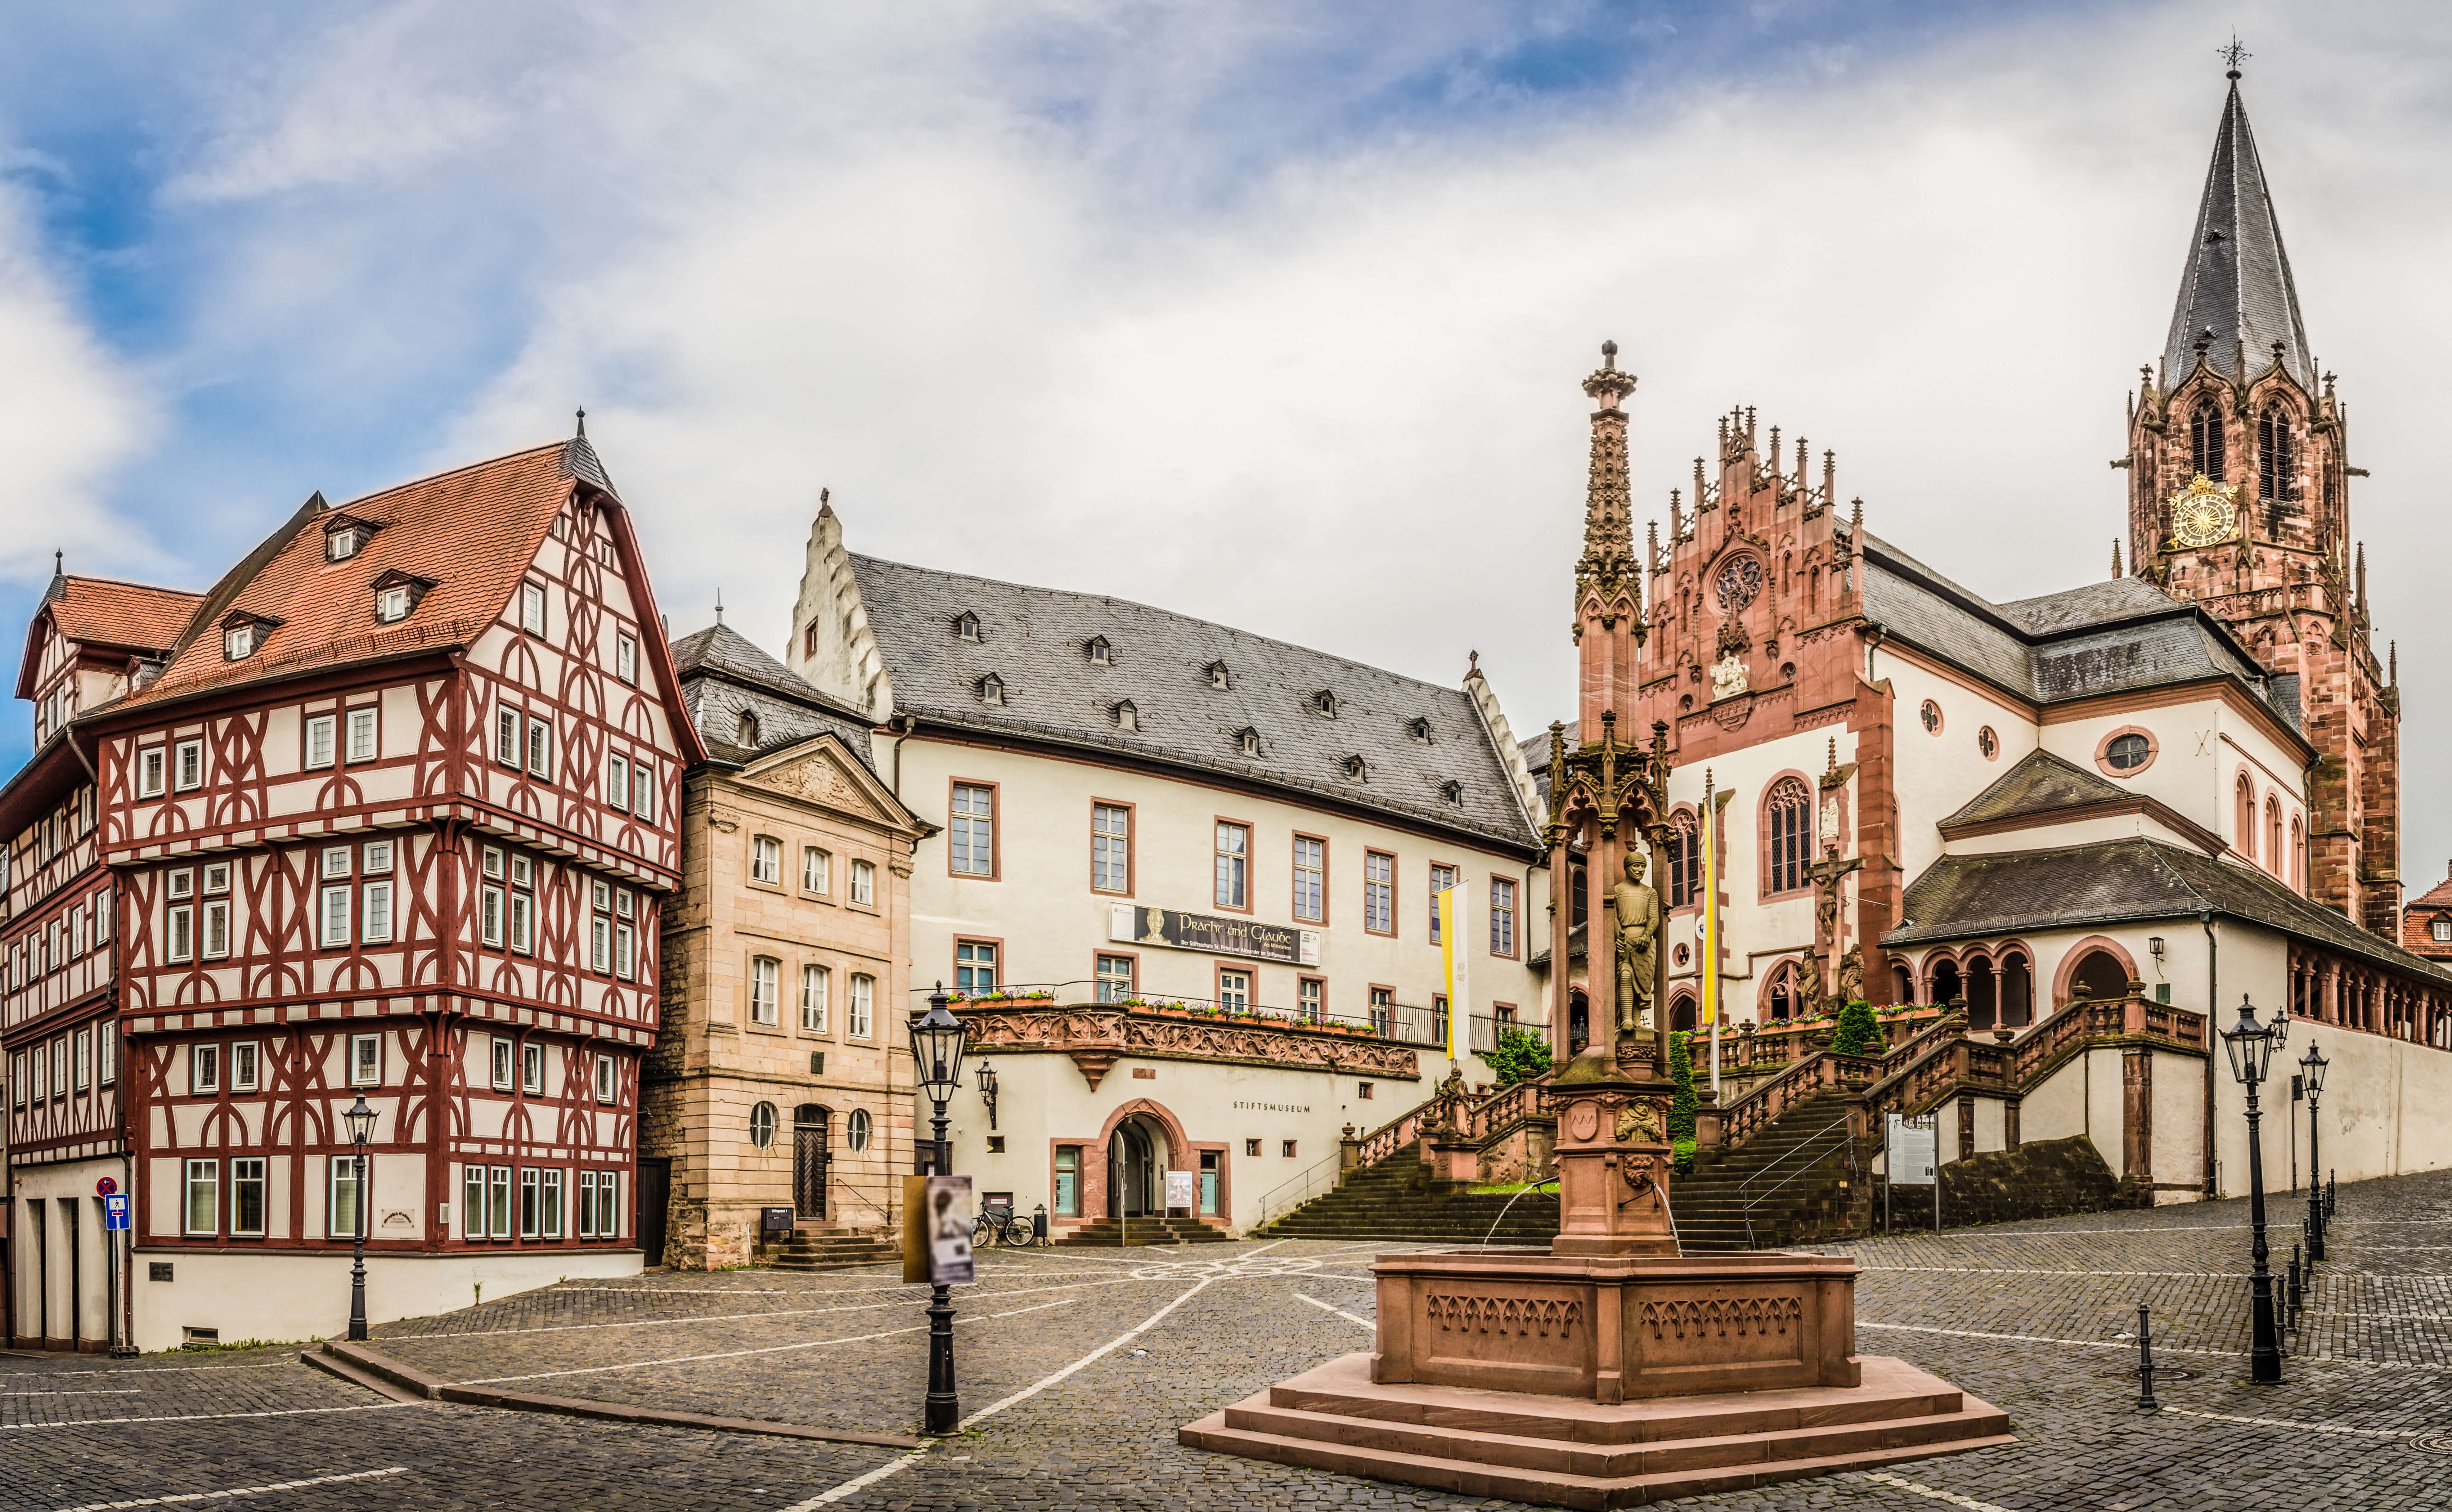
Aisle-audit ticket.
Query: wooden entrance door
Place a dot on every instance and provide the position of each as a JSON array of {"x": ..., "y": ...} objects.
[{"x": 811, "y": 1161}]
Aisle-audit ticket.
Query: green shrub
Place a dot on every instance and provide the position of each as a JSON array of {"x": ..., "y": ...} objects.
[
  {"x": 1859, "y": 1031},
  {"x": 1681, "y": 1074},
  {"x": 1521, "y": 1056}
]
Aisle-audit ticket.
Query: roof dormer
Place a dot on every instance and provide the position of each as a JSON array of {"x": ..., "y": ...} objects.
[
  {"x": 396, "y": 595},
  {"x": 1451, "y": 792},
  {"x": 1356, "y": 769},
  {"x": 346, "y": 535},
  {"x": 991, "y": 688},
  {"x": 244, "y": 634},
  {"x": 1099, "y": 652},
  {"x": 1419, "y": 730},
  {"x": 1217, "y": 678},
  {"x": 1324, "y": 703},
  {"x": 1128, "y": 717},
  {"x": 1247, "y": 739},
  {"x": 966, "y": 626}
]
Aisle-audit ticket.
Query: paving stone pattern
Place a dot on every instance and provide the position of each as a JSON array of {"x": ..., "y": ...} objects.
[{"x": 2024, "y": 1315}]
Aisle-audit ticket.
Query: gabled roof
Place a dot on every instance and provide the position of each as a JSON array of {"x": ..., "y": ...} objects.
[
  {"x": 2439, "y": 895},
  {"x": 723, "y": 675},
  {"x": 1032, "y": 640},
  {"x": 101, "y": 611},
  {"x": 471, "y": 531},
  {"x": 2044, "y": 786},
  {"x": 2237, "y": 280},
  {"x": 2081, "y": 643},
  {"x": 2131, "y": 881}
]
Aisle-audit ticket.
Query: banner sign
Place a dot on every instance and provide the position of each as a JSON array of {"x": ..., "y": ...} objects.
[{"x": 1214, "y": 936}]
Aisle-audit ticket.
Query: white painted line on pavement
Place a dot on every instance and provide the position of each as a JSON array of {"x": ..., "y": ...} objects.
[
  {"x": 246, "y": 1490},
  {"x": 148, "y": 1371},
  {"x": 205, "y": 1416},
  {"x": 2302, "y": 1427},
  {"x": 857, "y": 1482},
  {"x": 743, "y": 1317},
  {"x": 1124, "y": 1338},
  {"x": 1339, "y": 1311},
  {"x": 736, "y": 1354},
  {"x": 1951, "y": 1497}
]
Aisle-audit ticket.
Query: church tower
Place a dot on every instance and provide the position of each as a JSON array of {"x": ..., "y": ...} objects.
[{"x": 2239, "y": 499}]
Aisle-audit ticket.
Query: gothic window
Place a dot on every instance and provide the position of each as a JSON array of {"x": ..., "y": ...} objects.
[
  {"x": 1780, "y": 997},
  {"x": 1787, "y": 824},
  {"x": 1739, "y": 582},
  {"x": 2277, "y": 470},
  {"x": 1930, "y": 715},
  {"x": 2274, "y": 855},
  {"x": 2247, "y": 818},
  {"x": 2298, "y": 877},
  {"x": 1685, "y": 858},
  {"x": 2206, "y": 439}
]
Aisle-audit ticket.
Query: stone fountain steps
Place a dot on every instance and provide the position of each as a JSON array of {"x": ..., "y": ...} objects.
[{"x": 1573, "y": 1452}]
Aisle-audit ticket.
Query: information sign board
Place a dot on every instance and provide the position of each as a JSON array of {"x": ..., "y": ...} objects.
[
  {"x": 1179, "y": 1185},
  {"x": 1911, "y": 1149},
  {"x": 114, "y": 1213}
]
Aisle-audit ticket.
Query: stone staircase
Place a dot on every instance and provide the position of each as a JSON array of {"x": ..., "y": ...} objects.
[
  {"x": 1396, "y": 1198},
  {"x": 833, "y": 1249},
  {"x": 1798, "y": 1163},
  {"x": 1110, "y": 1233}
]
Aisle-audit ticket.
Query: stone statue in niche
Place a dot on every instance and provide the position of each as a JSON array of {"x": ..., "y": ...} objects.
[
  {"x": 1635, "y": 919},
  {"x": 1638, "y": 1123},
  {"x": 1728, "y": 677}
]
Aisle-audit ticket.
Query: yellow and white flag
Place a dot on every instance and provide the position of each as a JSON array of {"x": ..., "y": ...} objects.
[
  {"x": 1459, "y": 961},
  {"x": 1709, "y": 967}
]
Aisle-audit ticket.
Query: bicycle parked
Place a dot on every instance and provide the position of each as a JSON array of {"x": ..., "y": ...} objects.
[{"x": 995, "y": 1224}]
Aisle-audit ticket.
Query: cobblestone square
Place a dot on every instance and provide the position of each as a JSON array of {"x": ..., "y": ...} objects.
[{"x": 1076, "y": 1367}]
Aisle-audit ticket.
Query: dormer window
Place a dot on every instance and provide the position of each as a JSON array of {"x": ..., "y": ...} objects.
[
  {"x": 1249, "y": 740},
  {"x": 966, "y": 626},
  {"x": 1324, "y": 703},
  {"x": 1452, "y": 791},
  {"x": 1218, "y": 676},
  {"x": 243, "y": 635},
  {"x": 1101, "y": 654},
  {"x": 1356, "y": 769},
  {"x": 1421, "y": 731},
  {"x": 1127, "y": 717},
  {"x": 748, "y": 728},
  {"x": 992, "y": 689},
  {"x": 396, "y": 596},
  {"x": 343, "y": 540}
]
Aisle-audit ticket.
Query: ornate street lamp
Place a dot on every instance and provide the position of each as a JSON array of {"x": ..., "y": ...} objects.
[
  {"x": 2311, "y": 1071},
  {"x": 2250, "y": 1046},
  {"x": 361, "y": 1119},
  {"x": 988, "y": 1090},
  {"x": 937, "y": 1045}
]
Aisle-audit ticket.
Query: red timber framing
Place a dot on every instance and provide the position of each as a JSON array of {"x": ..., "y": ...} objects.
[{"x": 348, "y": 855}]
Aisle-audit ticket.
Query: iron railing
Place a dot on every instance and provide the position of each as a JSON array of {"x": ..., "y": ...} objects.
[{"x": 1808, "y": 1152}]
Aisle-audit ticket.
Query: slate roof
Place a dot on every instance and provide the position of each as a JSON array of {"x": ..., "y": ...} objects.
[
  {"x": 1036, "y": 640},
  {"x": 471, "y": 531},
  {"x": 2237, "y": 280},
  {"x": 2081, "y": 642},
  {"x": 723, "y": 675},
  {"x": 2131, "y": 880},
  {"x": 2041, "y": 783}
]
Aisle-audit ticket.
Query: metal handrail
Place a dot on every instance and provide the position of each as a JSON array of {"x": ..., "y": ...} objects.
[
  {"x": 1269, "y": 1205},
  {"x": 1812, "y": 1142}
]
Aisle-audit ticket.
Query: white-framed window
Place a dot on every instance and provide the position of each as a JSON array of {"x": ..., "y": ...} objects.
[
  {"x": 540, "y": 748},
  {"x": 761, "y": 1125},
  {"x": 40, "y": 1058},
  {"x": 391, "y": 603},
  {"x": 217, "y": 878},
  {"x": 238, "y": 643},
  {"x": 1502, "y": 917},
  {"x": 523, "y": 923},
  {"x": 551, "y": 1225},
  {"x": 531, "y": 1203},
  {"x": 489, "y": 913},
  {"x": 588, "y": 1205},
  {"x": 532, "y": 1068},
  {"x": 498, "y": 1201},
  {"x": 375, "y": 912},
  {"x": 1379, "y": 892},
  {"x": 246, "y": 1068},
  {"x": 336, "y": 863},
  {"x": 504, "y": 1047},
  {"x": 106, "y": 1055},
  {"x": 204, "y": 1203},
  {"x": 492, "y": 864},
  {"x": 342, "y": 1211},
  {"x": 817, "y": 870},
  {"x": 1235, "y": 992},
  {"x": 365, "y": 1060},
  {"x": 626, "y": 658},
  {"x": 532, "y": 608},
  {"x": 60, "y": 1067},
  {"x": 17, "y": 1080},
  {"x": 217, "y": 922},
  {"x": 863, "y": 884},
  {"x": 181, "y": 944},
  {"x": 342, "y": 543},
  {"x": 1442, "y": 878},
  {"x": 188, "y": 765},
  {"x": 182, "y": 884},
  {"x": 246, "y": 1195},
  {"x": 609, "y": 1205},
  {"x": 376, "y": 859},
  {"x": 204, "y": 1069},
  {"x": 333, "y": 927},
  {"x": 972, "y": 834},
  {"x": 767, "y": 860},
  {"x": 361, "y": 735},
  {"x": 472, "y": 1200},
  {"x": 507, "y": 735},
  {"x": 625, "y": 951},
  {"x": 1115, "y": 979},
  {"x": 1111, "y": 849},
  {"x": 151, "y": 764},
  {"x": 817, "y": 988},
  {"x": 523, "y": 870},
  {"x": 617, "y": 781},
  {"x": 763, "y": 972},
  {"x": 864, "y": 1002},
  {"x": 974, "y": 967},
  {"x": 102, "y": 918},
  {"x": 1233, "y": 866},
  {"x": 319, "y": 742},
  {"x": 1309, "y": 995},
  {"x": 856, "y": 1129},
  {"x": 607, "y": 1083},
  {"x": 84, "y": 1058},
  {"x": 643, "y": 791}
]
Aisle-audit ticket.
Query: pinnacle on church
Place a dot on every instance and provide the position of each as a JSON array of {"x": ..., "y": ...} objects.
[
  {"x": 2236, "y": 295},
  {"x": 1607, "y": 563}
]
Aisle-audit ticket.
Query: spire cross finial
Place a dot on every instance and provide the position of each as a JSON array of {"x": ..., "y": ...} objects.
[
  {"x": 2231, "y": 53},
  {"x": 59, "y": 563}
]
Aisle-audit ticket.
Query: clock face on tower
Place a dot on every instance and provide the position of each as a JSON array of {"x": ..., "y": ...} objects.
[{"x": 2201, "y": 513}]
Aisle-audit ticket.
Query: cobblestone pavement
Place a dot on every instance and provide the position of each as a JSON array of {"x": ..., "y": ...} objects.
[{"x": 1078, "y": 1366}]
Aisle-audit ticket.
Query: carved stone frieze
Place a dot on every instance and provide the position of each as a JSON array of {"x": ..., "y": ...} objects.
[
  {"x": 1550, "y": 1317},
  {"x": 1720, "y": 1316},
  {"x": 1095, "y": 1037}
]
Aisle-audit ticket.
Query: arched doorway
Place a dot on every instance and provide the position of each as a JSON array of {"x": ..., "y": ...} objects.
[
  {"x": 1681, "y": 1012},
  {"x": 1579, "y": 1022},
  {"x": 2099, "y": 978},
  {"x": 2017, "y": 991},
  {"x": 1137, "y": 1154},
  {"x": 1946, "y": 986},
  {"x": 1982, "y": 995},
  {"x": 810, "y": 1159}
]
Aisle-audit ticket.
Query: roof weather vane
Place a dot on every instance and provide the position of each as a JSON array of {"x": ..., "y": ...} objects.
[{"x": 2231, "y": 53}]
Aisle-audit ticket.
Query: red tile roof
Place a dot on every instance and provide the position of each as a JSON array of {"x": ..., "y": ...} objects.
[
  {"x": 99, "y": 612},
  {"x": 2440, "y": 896},
  {"x": 472, "y": 532}
]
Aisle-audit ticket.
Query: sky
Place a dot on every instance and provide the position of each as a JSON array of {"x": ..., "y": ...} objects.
[{"x": 1270, "y": 312}]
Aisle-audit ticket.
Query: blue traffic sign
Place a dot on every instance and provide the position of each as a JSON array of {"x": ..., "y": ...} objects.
[{"x": 114, "y": 1213}]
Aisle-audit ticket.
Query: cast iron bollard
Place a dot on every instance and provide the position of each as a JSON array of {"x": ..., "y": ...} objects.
[
  {"x": 2146, "y": 1402},
  {"x": 2294, "y": 1281},
  {"x": 2333, "y": 1194}
]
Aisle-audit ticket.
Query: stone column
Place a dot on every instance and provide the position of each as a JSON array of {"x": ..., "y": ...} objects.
[
  {"x": 2137, "y": 1121},
  {"x": 1562, "y": 923},
  {"x": 1612, "y": 1156}
]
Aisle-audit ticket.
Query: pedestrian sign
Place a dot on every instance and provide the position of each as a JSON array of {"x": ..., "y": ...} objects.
[{"x": 114, "y": 1213}]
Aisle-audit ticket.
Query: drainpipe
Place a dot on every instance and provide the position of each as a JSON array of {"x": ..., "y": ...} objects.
[{"x": 2213, "y": 996}]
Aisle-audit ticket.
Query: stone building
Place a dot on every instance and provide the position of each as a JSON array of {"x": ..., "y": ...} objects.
[
  {"x": 1207, "y": 858},
  {"x": 783, "y": 1078}
]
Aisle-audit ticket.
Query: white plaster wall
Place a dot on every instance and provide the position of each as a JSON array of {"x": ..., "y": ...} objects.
[
  {"x": 302, "y": 1295},
  {"x": 2201, "y": 747},
  {"x": 2050, "y": 835},
  {"x": 2056, "y": 1108},
  {"x": 1991, "y": 1125},
  {"x": 1937, "y": 775},
  {"x": 2180, "y": 1122},
  {"x": 48, "y": 1184}
]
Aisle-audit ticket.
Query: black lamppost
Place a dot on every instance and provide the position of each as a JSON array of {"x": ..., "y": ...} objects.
[
  {"x": 2311, "y": 1070},
  {"x": 2252, "y": 1046},
  {"x": 988, "y": 1091},
  {"x": 937, "y": 1045},
  {"x": 361, "y": 1119}
]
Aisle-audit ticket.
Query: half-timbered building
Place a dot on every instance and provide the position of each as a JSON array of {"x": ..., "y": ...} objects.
[{"x": 390, "y": 811}]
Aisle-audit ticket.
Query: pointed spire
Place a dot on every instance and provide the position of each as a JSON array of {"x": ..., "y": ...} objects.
[
  {"x": 1607, "y": 563},
  {"x": 825, "y": 503},
  {"x": 2236, "y": 292},
  {"x": 583, "y": 423},
  {"x": 2393, "y": 655},
  {"x": 719, "y": 605},
  {"x": 2115, "y": 558},
  {"x": 59, "y": 588}
]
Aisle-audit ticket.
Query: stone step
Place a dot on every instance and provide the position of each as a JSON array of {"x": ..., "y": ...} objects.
[{"x": 358, "y": 1375}]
